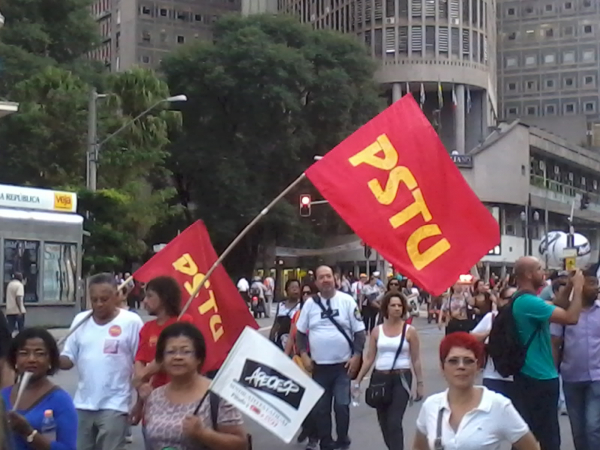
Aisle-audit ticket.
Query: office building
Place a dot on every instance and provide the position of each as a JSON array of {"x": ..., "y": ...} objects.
[
  {"x": 142, "y": 32},
  {"x": 549, "y": 65}
]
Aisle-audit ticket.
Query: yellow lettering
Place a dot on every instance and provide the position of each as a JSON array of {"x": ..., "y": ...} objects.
[
  {"x": 209, "y": 304},
  {"x": 418, "y": 207},
  {"x": 398, "y": 175},
  {"x": 422, "y": 260},
  {"x": 186, "y": 265},
  {"x": 369, "y": 155},
  {"x": 216, "y": 332},
  {"x": 191, "y": 288}
]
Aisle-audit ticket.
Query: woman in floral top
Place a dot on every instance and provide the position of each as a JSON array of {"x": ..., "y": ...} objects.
[{"x": 178, "y": 414}]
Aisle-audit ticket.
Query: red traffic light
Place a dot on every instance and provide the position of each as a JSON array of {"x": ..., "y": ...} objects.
[
  {"x": 305, "y": 205},
  {"x": 305, "y": 200}
]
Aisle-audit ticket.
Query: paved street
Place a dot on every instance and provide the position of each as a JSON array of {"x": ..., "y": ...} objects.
[{"x": 364, "y": 431}]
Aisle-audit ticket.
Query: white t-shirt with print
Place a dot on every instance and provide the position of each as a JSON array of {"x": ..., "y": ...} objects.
[
  {"x": 485, "y": 326},
  {"x": 491, "y": 426},
  {"x": 104, "y": 357},
  {"x": 327, "y": 344}
]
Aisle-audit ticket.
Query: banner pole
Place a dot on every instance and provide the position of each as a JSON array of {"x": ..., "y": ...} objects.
[
  {"x": 61, "y": 341},
  {"x": 237, "y": 240}
]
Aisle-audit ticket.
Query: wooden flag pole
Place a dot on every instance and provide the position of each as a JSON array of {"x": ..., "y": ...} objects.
[
  {"x": 61, "y": 341},
  {"x": 237, "y": 240}
]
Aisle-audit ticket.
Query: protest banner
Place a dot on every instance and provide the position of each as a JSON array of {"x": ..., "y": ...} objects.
[{"x": 267, "y": 386}]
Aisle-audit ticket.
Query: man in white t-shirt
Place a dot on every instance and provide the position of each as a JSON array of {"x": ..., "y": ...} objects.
[
  {"x": 334, "y": 357},
  {"x": 15, "y": 307},
  {"x": 103, "y": 350}
]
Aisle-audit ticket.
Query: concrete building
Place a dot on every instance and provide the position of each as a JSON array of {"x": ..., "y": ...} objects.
[
  {"x": 142, "y": 32},
  {"x": 442, "y": 51},
  {"x": 549, "y": 65}
]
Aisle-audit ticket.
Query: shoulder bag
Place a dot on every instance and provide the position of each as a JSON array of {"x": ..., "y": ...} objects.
[
  {"x": 328, "y": 314},
  {"x": 379, "y": 393}
]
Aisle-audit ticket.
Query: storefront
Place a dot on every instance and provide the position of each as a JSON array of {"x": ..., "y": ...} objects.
[{"x": 41, "y": 237}]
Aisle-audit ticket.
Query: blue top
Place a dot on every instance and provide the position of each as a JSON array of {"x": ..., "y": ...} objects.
[
  {"x": 531, "y": 314},
  {"x": 65, "y": 417}
]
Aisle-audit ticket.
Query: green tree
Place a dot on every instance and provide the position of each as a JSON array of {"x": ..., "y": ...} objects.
[{"x": 265, "y": 97}]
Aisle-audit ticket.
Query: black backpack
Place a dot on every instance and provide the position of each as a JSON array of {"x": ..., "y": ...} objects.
[{"x": 505, "y": 347}]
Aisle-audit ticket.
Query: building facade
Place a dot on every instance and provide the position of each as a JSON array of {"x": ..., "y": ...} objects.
[
  {"x": 548, "y": 62},
  {"x": 142, "y": 32}
]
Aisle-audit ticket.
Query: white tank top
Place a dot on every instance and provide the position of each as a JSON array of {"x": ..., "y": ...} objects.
[{"x": 387, "y": 348}]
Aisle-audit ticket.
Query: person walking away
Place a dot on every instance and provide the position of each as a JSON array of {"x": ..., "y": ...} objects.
[
  {"x": 580, "y": 367},
  {"x": 465, "y": 416},
  {"x": 280, "y": 331},
  {"x": 103, "y": 350},
  {"x": 370, "y": 308},
  {"x": 243, "y": 287},
  {"x": 491, "y": 378},
  {"x": 336, "y": 334},
  {"x": 394, "y": 348},
  {"x": 34, "y": 350},
  {"x": 536, "y": 384},
  {"x": 15, "y": 307},
  {"x": 183, "y": 414}
]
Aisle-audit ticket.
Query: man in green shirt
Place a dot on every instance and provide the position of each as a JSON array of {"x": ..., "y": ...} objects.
[{"x": 537, "y": 385}]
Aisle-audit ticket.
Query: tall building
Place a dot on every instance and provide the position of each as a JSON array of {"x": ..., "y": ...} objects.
[
  {"x": 142, "y": 32},
  {"x": 443, "y": 51},
  {"x": 549, "y": 64}
]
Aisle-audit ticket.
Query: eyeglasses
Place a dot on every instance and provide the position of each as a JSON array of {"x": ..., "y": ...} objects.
[
  {"x": 179, "y": 352},
  {"x": 455, "y": 362}
]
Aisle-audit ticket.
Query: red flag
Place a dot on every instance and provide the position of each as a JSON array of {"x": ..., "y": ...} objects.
[
  {"x": 218, "y": 310},
  {"x": 394, "y": 183}
]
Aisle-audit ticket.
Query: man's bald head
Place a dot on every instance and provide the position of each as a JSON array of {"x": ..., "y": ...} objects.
[{"x": 529, "y": 272}]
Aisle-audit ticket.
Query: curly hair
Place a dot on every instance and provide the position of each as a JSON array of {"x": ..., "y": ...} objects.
[
  {"x": 460, "y": 339},
  {"x": 169, "y": 292}
]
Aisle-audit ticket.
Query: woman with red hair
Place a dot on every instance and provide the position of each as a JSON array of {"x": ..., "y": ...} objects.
[{"x": 465, "y": 416}]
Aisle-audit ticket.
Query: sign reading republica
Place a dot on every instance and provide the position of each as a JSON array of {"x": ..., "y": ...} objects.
[{"x": 22, "y": 197}]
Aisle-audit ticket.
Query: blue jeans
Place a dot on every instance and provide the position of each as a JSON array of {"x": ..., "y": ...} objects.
[
  {"x": 583, "y": 406},
  {"x": 336, "y": 382}
]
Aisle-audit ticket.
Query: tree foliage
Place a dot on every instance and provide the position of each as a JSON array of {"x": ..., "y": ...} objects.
[{"x": 265, "y": 97}]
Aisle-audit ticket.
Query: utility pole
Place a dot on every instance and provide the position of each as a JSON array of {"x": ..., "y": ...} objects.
[{"x": 92, "y": 142}]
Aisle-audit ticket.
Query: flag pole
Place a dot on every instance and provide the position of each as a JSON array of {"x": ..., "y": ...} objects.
[
  {"x": 61, "y": 341},
  {"x": 237, "y": 240}
]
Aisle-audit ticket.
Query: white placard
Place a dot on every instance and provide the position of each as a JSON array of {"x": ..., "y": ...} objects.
[{"x": 266, "y": 385}]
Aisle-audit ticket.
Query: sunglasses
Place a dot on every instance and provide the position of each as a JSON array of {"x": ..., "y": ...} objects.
[
  {"x": 455, "y": 362},
  {"x": 394, "y": 284}
]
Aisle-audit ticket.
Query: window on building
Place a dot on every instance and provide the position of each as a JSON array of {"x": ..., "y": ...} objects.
[
  {"x": 164, "y": 12},
  {"x": 588, "y": 55},
  {"x": 510, "y": 12},
  {"x": 182, "y": 15},
  {"x": 59, "y": 274},
  {"x": 529, "y": 10},
  {"x": 146, "y": 11},
  {"x": 589, "y": 80},
  {"x": 23, "y": 256},
  {"x": 549, "y": 84},
  {"x": 569, "y": 108},
  {"x": 530, "y": 60},
  {"x": 512, "y": 111},
  {"x": 511, "y": 61},
  {"x": 568, "y": 5},
  {"x": 549, "y": 7},
  {"x": 512, "y": 36},
  {"x": 146, "y": 36},
  {"x": 145, "y": 59},
  {"x": 531, "y": 110},
  {"x": 549, "y": 32},
  {"x": 549, "y": 58},
  {"x": 587, "y": 3},
  {"x": 530, "y": 34},
  {"x": 568, "y": 30},
  {"x": 198, "y": 17},
  {"x": 589, "y": 107},
  {"x": 180, "y": 39},
  {"x": 569, "y": 83},
  {"x": 550, "y": 110},
  {"x": 531, "y": 85},
  {"x": 587, "y": 29},
  {"x": 569, "y": 57},
  {"x": 512, "y": 86}
]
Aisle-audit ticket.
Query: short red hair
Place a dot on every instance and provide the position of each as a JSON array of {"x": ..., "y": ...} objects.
[{"x": 460, "y": 339}]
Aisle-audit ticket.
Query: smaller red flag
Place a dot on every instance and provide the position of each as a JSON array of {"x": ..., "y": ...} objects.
[{"x": 218, "y": 310}]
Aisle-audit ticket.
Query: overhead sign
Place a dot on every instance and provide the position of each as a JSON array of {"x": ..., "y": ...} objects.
[
  {"x": 463, "y": 161},
  {"x": 267, "y": 386},
  {"x": 21, "y": 197}
]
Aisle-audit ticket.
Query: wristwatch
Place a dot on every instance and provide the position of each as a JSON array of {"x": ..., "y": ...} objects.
[{"x": 31, "y": 437}]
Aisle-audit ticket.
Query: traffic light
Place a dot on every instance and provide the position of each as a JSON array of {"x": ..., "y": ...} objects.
[
  {"x": 305, "y": 205},
  {"x": 585, "y": 201}
]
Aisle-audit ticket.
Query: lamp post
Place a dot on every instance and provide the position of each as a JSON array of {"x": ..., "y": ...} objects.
[{"x": 93, "y": 145}]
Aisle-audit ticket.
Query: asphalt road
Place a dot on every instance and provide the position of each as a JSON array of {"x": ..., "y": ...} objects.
[{"x": 364, "y": 430}]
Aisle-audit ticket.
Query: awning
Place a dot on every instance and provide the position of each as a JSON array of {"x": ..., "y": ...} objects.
[{"x": 7, "y": 108}]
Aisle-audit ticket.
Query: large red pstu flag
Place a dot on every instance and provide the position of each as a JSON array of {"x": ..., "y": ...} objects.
[
  {"x": 218, "y": 310},
  {"x": 394, "y": 183}
]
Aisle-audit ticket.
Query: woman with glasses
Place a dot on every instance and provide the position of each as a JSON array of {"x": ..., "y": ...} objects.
[
  {"x": 179, "y": 415},
  {"x": 465, "y": 416},
  {"x": 491, "y": 378},
  {"x": 280, "y": 331},
  {"x": 34, "y": 350}
]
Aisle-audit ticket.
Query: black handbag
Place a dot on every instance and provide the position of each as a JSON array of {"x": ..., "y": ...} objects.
[{"x": 379, "y": 393}]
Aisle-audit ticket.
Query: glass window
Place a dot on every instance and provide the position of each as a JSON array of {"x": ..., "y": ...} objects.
[
  {"x": 512, "y": 111},
  {"x": 511, "y": 11},
  {"x": 568, "y": 31},
  {"x": 532, "y": 111},
  {"x": 570, "y": 108},
  {"x": 59, "y": 282},
  {"x": 587, "y": 29},
  {"x": 569, "y": 82},
  {"x": 549, "y": 7},
  {"x": 589, "y": 107},
  {"x": 588, "y": 55},
  {"x": 550, "y": 110},
  {"x": 531, "y": 85},
  {"x": 511, "y": 61},
  {"x": 568, "y": 5},
  {"x": 550, "y": 58},
  {"x": 530, "y": 60},
  {"x": 588, "y": 80},
  {"x": 512, "y": 86},
  {"x": 549, "y": 32},
  {"x": 22, "y": 257},
  {"x": 549, "y": 83},
  {"x": 568, "y": 57}
]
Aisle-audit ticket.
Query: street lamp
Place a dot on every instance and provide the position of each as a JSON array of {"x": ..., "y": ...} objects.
[{"x": 94, "y": 146}]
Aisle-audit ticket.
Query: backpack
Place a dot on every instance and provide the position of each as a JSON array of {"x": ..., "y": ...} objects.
[{"x": 505, "y": 348}]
